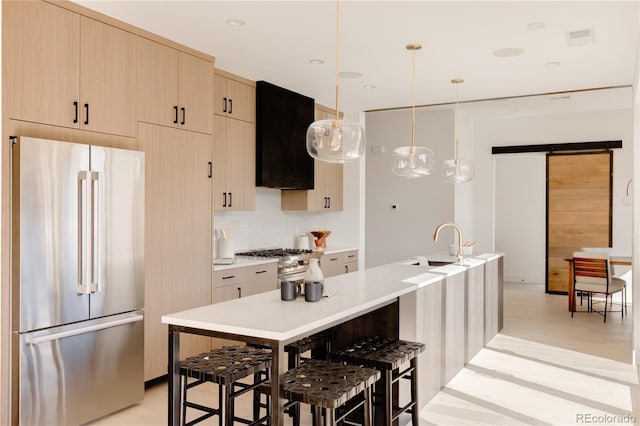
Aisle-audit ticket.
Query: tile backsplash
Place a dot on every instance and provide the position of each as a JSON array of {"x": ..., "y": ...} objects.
[{"x": 267, "y": 226}]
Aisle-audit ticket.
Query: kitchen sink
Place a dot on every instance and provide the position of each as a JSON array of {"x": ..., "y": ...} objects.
[
  {"x": 439, "y": 262},
  {"x": 431, "y": 262}
]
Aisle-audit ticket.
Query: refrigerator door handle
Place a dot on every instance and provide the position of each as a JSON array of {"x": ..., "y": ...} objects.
[
  {"x": 95, "y": 264},
  {"x": 83, "y": 243},
  {"x": 83, "y": 330}
]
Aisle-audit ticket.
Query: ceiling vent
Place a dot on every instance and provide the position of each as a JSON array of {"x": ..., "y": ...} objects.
[{"x": 581, "y": 37}]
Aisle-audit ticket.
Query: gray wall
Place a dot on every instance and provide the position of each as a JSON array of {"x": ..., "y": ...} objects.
[
  {"x": 423, "y": 203},
  {"x": 485, "y": 207}
]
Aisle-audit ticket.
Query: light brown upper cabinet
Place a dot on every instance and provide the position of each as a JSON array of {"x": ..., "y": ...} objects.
[
  {"x": 174, "y": 88},
  {"x": 68, "y": 70},
  {"x": 234, "y": 97},
  {"x": 234, "y": 164},
  {"x": 327, "y": 194}
]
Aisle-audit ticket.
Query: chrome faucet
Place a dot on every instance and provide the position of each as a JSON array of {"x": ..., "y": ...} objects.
[{"x": 457, "y": 228}]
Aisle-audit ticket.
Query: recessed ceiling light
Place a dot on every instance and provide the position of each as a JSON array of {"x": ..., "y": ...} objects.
[
  {"x": 349, "y": 74},
  {"x": 508, "y": 52},
  {"x": 235, "y": 22},
  {"x": 552, "y": 64},
  {"x": 369, "y": 86},
  {"x": 535, "y": 26},
  {"x": 316, "y": 61}
]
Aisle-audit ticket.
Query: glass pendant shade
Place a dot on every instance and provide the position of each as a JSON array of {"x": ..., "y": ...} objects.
[
  {"x": 457, "y": 170},
  {"x": 412, "y": 161},
  {"x": 335, "y": 141}
]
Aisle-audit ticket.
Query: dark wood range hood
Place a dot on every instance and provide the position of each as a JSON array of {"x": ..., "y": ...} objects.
[{"x": 282, "y": 119}]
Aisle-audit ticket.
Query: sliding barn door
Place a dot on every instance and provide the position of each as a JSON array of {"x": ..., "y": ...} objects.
[{"x": 578, "y": 210}]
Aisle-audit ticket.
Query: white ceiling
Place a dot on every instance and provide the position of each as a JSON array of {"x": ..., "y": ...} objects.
[{"x": 279, "y": 39}]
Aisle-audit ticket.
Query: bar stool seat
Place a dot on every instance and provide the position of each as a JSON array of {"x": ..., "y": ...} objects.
[
  {"x": 224, "y": 366},
  {"x": 387, "y": 355},
  {"x": 336, "y": 387}
]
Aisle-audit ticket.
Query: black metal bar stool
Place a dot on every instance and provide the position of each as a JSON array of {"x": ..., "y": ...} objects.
[
  {"x": 225, "y": 366},
  {"x": 387, "y": 355},
  {"x": 338, "y": 388}
]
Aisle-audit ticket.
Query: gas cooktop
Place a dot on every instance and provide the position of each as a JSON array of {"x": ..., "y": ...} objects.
[{"x": 276, "y": 252}]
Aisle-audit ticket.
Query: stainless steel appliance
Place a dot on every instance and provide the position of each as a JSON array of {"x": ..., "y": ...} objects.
[
  {"x": 292, "y": 263},
  {"x": 78, "y": 281}
]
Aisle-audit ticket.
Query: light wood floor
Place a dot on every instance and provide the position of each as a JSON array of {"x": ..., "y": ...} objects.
[{"x": 544, "y": 368}]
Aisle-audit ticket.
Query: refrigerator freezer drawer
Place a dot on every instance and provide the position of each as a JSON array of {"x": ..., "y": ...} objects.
[{"x": 76, "y": 373}]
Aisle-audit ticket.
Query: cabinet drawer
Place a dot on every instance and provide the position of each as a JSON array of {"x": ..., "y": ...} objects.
[
  {"x": 225, "y": 278},
  {"x": 351, "y": 256},
  {"x": 332, "y": 264},
  {"x": 260, "y": 278}
]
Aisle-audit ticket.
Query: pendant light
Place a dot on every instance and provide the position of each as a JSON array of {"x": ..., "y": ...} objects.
[
  {"x": 457, "y": 170},
  {"x": 335, "y": 140},
  {"x": 413, "y": 161}
]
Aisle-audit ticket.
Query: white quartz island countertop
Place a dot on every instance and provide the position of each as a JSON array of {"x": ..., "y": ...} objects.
[
  {"x": 409, "y": 299},
  {"x": 265, "y": 315}
]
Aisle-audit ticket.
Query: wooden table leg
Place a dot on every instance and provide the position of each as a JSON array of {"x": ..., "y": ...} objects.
[{"x": 571, "y": 295}]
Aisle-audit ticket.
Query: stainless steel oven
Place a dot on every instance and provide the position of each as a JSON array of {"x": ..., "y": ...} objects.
[{"x": 292, "y": 263}]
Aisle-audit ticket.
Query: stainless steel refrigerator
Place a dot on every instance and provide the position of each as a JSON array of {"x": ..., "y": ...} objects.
[{"x": 78, "y": 281}]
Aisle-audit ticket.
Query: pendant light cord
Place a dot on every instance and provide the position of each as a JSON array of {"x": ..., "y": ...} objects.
[
  {"x": 337, "y": 59},
  {"x": 413, "y": 105},
  {"x": 455, "y": 128}
]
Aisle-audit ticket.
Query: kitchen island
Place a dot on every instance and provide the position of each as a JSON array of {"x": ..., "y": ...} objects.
[{"x": 415, "y": 302}]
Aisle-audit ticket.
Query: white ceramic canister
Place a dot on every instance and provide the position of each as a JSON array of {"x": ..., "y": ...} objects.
[{"x": 302, "y": 242}]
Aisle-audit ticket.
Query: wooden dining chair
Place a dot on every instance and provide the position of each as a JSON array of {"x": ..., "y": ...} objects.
[{"x": 592, "y": 274}]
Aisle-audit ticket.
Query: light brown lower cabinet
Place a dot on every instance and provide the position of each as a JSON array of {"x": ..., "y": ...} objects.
[
  {"x": 240, "y": 282},
  {"x": 339, "y": 263},
  {"x": 178, "y": 229},
  {"x": 244, "y": 281}
]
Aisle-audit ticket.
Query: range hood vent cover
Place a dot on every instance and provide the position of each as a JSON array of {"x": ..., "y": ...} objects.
[
  {"x": 282, "y": 119},
  {"x": 581, "y": 37}
]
